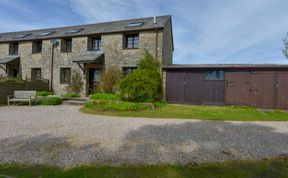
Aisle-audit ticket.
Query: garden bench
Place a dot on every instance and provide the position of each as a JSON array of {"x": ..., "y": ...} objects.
[{"x": 23, "y": 95}]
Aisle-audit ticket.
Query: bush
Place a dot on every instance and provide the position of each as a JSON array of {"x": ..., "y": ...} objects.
[
  {"x": 105, "y": 96},
  {"x": 118, "y": 106},
  {"x": 49, "y": 101},
  {"x": 109, "y": 80},
  {"x": 44, "y": 93},
  {"x": 71, "y": 95},
  {"x": 144, "y": 84},
  {"x": 76, "y": 84},
  {"x": 160, "y": 103}
]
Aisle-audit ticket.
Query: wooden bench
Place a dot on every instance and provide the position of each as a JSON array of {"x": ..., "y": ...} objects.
[{"x": 23, "y": 95}]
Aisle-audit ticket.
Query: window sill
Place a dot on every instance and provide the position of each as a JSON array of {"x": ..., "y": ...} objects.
[
  {"x": 130, "y": 48},
  {"x": 94, "y": 50}
]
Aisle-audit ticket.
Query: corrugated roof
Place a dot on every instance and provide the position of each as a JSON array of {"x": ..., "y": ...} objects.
[
  {"x": 223, "y": 66},
  {"x": 98, "y": 28}
]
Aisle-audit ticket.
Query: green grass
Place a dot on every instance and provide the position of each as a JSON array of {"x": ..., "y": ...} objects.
[
  {"x": 116, "y": 106},
  {"x": 200, "y": 112},
  {"x": 105, "y": 96},
  {"x": 71, "y": 95},
  {"x": 49, "y": 101},
  {"x": 246, "y": 169},
  {"x": 44, "y": 93}
]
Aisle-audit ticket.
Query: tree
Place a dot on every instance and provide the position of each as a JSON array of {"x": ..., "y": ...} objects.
[
  {"x": 143, "y": 84},
  {"x": 76, "y": 84},
  {"x": 110, "y": 79},
  {"x": 285, "y": 50}
]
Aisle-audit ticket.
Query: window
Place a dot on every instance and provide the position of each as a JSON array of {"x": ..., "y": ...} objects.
[
  {"x": 13, "y": 48},
  {"x": 65, "y": 75},
  {"x": 128, "y": 70},
  {"x": 23, "y": 35},
  {"x": 132, "y": 41},
  {"x": 36, "y": 73},
  {"x": 37, "y": 47},
  {"x": 46, "y": 33},
  {"x": 214, "y": 75},
  {"x": 76, "y": 30},
  {"x": 94, "y": 44},
  {"x": 135, "y": 24},
  {"x": 66, "y": 45}
]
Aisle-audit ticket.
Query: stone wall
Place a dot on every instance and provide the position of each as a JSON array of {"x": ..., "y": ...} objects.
[
  {"x": 3, "y": 52},
  {"x": 112, "y": 46},
  {"x": 164, "y": 84},
  {"x": 167, "y": 44}
]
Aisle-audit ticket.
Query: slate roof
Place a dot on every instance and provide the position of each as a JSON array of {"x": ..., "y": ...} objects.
[
  {"x": 7, "y": 59},
  {"x": 89, "y": 29},
  {"x": 90, "y": 58}
]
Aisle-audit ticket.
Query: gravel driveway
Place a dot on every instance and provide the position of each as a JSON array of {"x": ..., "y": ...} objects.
[{"x": 62, "y": 136}]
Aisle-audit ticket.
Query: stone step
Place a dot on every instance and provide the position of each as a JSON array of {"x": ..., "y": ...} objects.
[{"x": 74, "y": 102}]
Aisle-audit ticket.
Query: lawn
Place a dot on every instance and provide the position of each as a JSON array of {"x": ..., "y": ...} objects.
[
  {"x": 229, "y": 113},
  {"x": 265, "y": 168}
]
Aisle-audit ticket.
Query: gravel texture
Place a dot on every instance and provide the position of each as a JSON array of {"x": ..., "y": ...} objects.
[{"x": 62, "y": 136}]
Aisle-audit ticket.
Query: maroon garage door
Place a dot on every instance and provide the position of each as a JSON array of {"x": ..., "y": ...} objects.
[
  {"x": 191, "y": 87},
  {"x": 259, "y": 89}
]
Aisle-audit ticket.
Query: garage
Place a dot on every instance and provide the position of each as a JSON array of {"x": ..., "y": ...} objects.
[
  {"x": 195, "y": 87},
  {"x": 262, "y": 86}
]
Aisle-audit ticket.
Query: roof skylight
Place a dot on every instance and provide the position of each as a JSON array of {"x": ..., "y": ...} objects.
[
  {"x": 23, "y": 35},
  {"x": 46, "y": 33},
  {"x": 135, "y": 24},
  {"x": 76, "y": 30}
]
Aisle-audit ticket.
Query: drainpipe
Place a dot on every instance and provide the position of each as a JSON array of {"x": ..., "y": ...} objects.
[
  {"x": 156, "y": 50},
  {"x": 156, "y": 30},
  {"x": 54, "y": 43}
]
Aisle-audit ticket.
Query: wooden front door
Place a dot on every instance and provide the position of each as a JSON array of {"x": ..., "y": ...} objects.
[
  {"x": 238, "y": 88},
  {"x": 94, "y": 79},
  {"x": 262, "y": 90},
  {"x": 193, "y": 87},
  {"x": 175, "y": 86},
  {"x": 282, "y": 90}
]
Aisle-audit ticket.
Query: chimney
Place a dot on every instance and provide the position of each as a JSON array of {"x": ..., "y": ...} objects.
[{"x": 154, "y": 20}]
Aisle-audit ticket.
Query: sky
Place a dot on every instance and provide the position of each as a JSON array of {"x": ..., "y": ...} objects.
[{"x": 206, "y": 31}]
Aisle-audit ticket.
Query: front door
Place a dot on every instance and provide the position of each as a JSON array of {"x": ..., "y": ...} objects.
[
  {"x": 94, "y": 80},
  {"x": 282, "y": 90},
  {"x": 262, "y": 90}
]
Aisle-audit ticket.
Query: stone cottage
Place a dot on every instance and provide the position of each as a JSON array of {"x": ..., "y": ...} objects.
[{"x": 55, "y": 53}]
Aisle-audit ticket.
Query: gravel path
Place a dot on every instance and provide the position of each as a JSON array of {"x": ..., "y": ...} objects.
[{"x": 62, "y": 136}]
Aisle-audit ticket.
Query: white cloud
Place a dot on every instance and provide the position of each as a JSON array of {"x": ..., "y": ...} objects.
[{"x": 204, "y": 31}]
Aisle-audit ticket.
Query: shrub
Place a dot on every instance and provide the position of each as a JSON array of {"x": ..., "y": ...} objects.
[
  {"x": 70, "y": 95},
  {"x": 49, "y": 101},
  {"x": 76, "y": 84},
  {"x": 118, "y": 106},
  {"x": 160, "y": 103},
  {"x": 105, "y": 96},
  {"x": 144, "y": 84},
  {"x": 44, "y": 93},
  {"x": 109, "y": 79}
]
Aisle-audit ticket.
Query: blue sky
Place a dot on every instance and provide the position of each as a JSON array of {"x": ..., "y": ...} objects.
[{"x": 206, "y": 31}]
